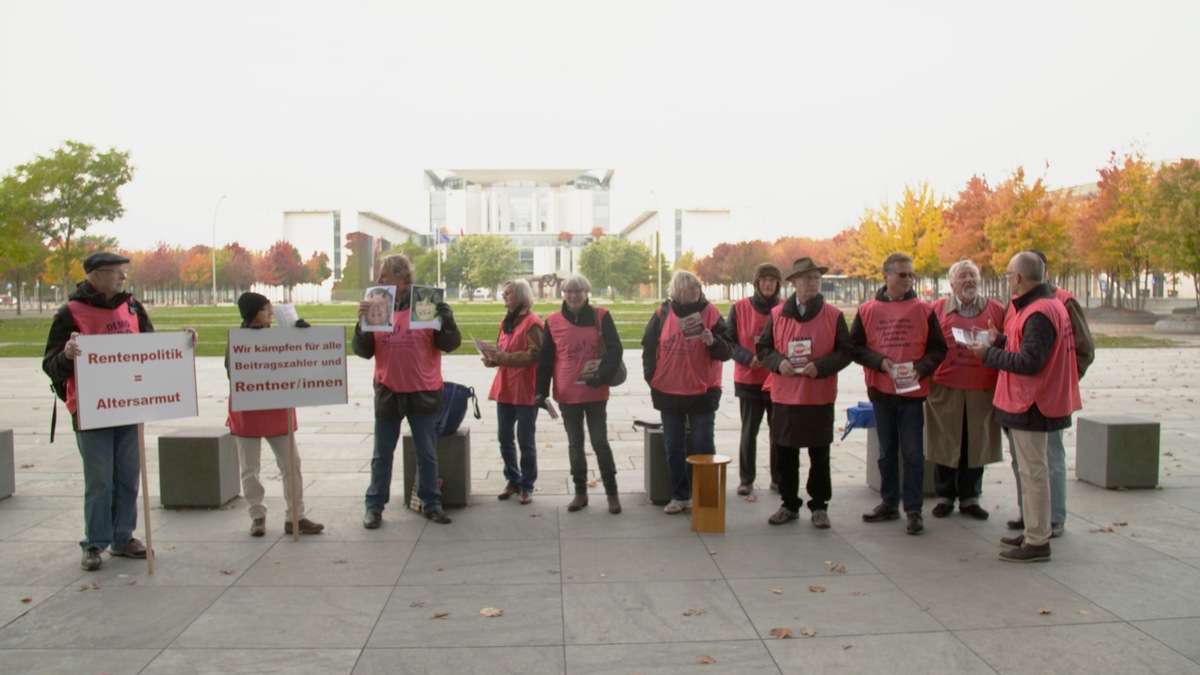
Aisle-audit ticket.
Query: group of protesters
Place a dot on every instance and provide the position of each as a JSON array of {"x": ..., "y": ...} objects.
[{"x": 945, "y": 379}]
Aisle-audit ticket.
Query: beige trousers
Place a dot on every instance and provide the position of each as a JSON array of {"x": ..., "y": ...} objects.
[
  {"x": 1030, "y": 447},
  {"x": 250, "y": 456}
]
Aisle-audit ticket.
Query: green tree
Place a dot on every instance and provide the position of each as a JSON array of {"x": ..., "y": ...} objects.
[
  {"x": 1173, "y": 228},
  {"x": 424, "y": 261},
  {"x": 618, "y": 264},
  {"x": 66, "y": 192},
  {"x": 22, "y": 253},
  {"x": 481, "y": 261}
]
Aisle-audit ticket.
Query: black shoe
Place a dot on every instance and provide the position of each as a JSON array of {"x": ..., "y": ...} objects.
[
  {"x": 943, "y": 509},
  {"x": 438, "y": 516},
  {"x": 1013, "y": 542},
  {"x": 974, "y": 510},
  {"x": 881, "y": 513},
  {"x": 1016, "y": 524},
  {"x": 1027, "y": 554},
  {"x": 916, "y": 524},
  {"x": 372, "y": 519},
  {"x": 91, "y": 559}
]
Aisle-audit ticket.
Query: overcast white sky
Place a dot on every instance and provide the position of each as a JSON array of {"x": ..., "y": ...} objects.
[{"x": 809, "y": 111}]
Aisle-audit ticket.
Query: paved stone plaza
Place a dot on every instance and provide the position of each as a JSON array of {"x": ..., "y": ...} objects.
[{"x": 591, "y": 592}]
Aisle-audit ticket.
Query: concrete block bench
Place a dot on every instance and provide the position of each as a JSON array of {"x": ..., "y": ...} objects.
[
  {"x": 1117, "y": 451},
  {"x": 8, "y": 465},
  {"x": 197, "y": 468},
  {"x": 873, "y": 478},
  {"x": 454, "y": 467}
]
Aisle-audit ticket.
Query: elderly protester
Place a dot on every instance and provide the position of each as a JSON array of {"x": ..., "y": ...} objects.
[
  {"x": 581, "y": 353},
  {"x": 515, "y": 357},
  {"x": 804, "y": 344},
  {"x": 746, "y": 320},
  {"x": 961, "y": 434},
  {"x": 682, "y": 350}
]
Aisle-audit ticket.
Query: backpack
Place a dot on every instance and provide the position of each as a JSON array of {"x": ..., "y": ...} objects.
[{"x": 454, "y": 408}]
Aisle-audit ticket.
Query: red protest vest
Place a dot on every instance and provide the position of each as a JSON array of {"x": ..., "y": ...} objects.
[
  {"x": 515, "y": 385},
  {"x": 407, "y": 360},
  {"x": 749, "y": 325},
  {"x": 962, "y": 369},
  {"x": 99, "y": 321},
  {"x": 574, "y": 346},
  {"x": 899, "y": 331},
  {"x": 685, "y": 367},
  {"x": 260, "y": 423},
  {"x": 822, "y": 330},
  {"x": 1055, "y": 389}
]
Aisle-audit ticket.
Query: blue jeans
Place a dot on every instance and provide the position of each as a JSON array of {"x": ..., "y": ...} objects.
[
  {"x": 524, "y": 419},
  {"x": 1056, "y": 456},
  {"x": 110, "y": 474},
  {"x": 901, "y": 430},
  {"x": 676, "y": 426},
  {"x": 387, "y": 433}
]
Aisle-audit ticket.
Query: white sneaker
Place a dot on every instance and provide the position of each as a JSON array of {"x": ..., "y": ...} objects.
[{"x": 677, "y": 506}]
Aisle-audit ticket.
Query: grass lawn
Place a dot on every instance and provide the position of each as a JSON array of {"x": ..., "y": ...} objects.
[{"x": 26, "y": 335}]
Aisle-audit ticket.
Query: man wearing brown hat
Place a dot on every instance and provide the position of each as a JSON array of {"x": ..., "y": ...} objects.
[
  {"x": 746, "y": 320},
  {"x": 804, "y": 344},
  {"x": 111, "y": 467}
]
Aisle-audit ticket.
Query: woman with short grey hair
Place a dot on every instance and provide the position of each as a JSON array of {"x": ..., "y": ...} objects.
[
  {"x": 582, "y": 354},
  {"x": 515, "y": 358},
  {"x": 682, "y": 350}
]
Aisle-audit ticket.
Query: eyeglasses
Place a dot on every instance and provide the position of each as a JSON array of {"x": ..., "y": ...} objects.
[
  {"x": 905, "y": 275},
  {"x": 505, "y": 294}
]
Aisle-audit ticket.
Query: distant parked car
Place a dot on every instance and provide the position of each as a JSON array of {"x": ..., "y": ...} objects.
[{"x": 481, "y": 294}]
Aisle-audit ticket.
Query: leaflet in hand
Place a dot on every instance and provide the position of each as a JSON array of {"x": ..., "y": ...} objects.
[
  {"x": 590, "y": 368},
  {"x": 973, "y": 337},
  {"x": 904, "y": 376},
  {"x": 485, "y": 347},
  {"x": 799, "y": 352},
  {"x": 691, "y": 325},
  {"x": 285, "y": 314}
]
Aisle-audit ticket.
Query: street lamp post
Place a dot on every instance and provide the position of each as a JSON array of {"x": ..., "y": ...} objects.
[{"x": 216, "y": 210}]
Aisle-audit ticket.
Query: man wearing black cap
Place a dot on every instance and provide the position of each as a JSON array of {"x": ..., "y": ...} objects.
[
  {"x": 100, "y": 306},
  {"x": 746, "y": 320}
]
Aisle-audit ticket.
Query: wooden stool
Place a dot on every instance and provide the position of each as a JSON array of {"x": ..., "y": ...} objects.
[{"x": 708, "y": 492}]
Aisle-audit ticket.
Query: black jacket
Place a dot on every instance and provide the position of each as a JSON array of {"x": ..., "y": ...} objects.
[
  {"x": 613, "y": 351},
  {"x": 935, "y": 352},
  {"x": 391, "y": 404},
  {"x": 720, "y": 350},
  {"x": 54, "y": 363},
  {"x": 1037, "y": 340},
  {"x": 830, "y": 364}
]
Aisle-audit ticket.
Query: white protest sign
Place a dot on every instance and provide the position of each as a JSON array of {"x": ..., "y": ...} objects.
[
  {"x": 286, "y": 367},
  {"x": 134, "y": 377}
]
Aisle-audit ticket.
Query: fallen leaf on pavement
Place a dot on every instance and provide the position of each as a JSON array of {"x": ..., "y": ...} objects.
[
  {"x": 94, "y": 586},
  {"x": 1085, "y": 612},
  {"x": 1101, "y": 529},
  {"x": 1044, "y": 611},
  {"x": 417, "y": 603},
  {"x": 1121, "y": 523},
  {"x": 694, "y": 612},
  {"x": 705, "y": 658},
  {"x": 808, "y": 632},
  {"x": 440, "y": 615},
  {"x": 491, "y": 612},
  {"x": 27, "y": 599},
  {"x": 340, "y": 561},
  {"x": 839, "y": 568},
  {"x": 228, "y": 572},
  {"x": 26, "y": 466},
  {"x": 781, "y": 633},
  {"x": 847, "y": 646},
  {"x": 777, "y": 591},
  {"x": 816, "y": 589},
  {"x": 751, "y": 498},
  {"x": 857, "y": 593},
  {"x": 591, "y": 483}
]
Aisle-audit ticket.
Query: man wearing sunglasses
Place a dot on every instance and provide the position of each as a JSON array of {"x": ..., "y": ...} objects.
[{"x": 898, "y": 341}]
